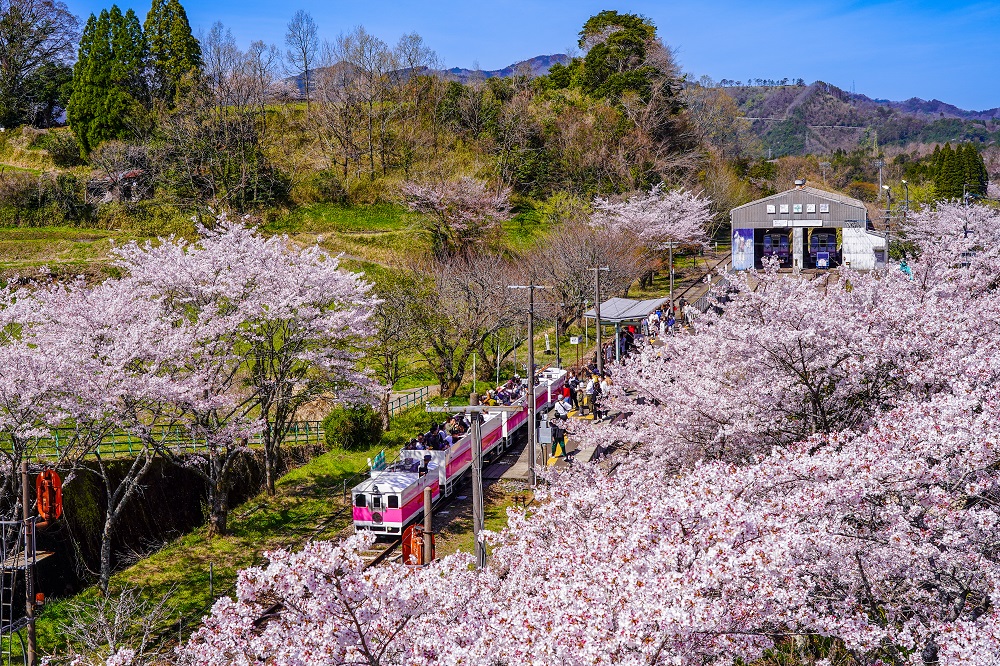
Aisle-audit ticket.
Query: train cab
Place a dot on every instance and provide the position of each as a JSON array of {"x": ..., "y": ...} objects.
[
  {"x": 823, "y": 248},
  {"x": 778, "y": 245},
  {"x": 394, "y": 497}
]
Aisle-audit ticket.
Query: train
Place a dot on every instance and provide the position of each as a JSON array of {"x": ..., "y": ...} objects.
[
  {"x": 778, "y": 245},
  {"x": 823, "y": 248},
  {"x": 392, "y": 498}
]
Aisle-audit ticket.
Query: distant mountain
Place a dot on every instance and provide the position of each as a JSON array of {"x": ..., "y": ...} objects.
[
  {"x": 537, "y": 66},
  {"x": 820, "y": 118}
]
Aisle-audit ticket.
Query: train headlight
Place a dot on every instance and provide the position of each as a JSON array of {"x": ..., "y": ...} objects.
[{"x": 377, "y": 518}]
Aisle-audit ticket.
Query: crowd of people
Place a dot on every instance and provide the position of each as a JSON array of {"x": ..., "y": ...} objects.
[{"x": 441, "y": 435}]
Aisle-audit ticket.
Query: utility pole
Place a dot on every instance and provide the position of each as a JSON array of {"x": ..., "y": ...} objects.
[
  {"x": 475, "y": 411},
  {"x": 531, "y": 371},
  {"x": 597, "y": 315},
  {"x": 29, "y": 560}
]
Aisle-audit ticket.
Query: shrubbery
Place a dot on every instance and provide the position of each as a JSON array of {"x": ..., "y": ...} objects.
[{"x": 352, "y": 426}]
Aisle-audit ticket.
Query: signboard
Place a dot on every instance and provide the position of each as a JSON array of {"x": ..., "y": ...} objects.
[
  {"x": 822, "y": 260},
  {"x": 574, "y": 339},
  {"x": 742, "y": 249},
  {"x": 378, "y": 462}
]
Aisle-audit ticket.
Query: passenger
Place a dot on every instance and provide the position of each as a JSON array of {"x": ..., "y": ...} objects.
[
  {"x": 420, "y": 443},
  {"x": 424, "y": 467},
  {"x": 562, "y": 408},
  {"x": 588, "y": 391}
]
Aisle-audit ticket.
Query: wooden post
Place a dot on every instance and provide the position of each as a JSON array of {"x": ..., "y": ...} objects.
[
  {"x": 29, "y": 558},
  {"x": 428, "y": 525}
]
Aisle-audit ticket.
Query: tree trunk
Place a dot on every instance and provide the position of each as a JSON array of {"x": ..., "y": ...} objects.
[
  {"x": 270, "y": 471},
  {"x": 384, "y": 410},
  {"x": 219, "y": 513},
  {"x": 450, "y": 387},
  {"x": 104, "y": 579}
]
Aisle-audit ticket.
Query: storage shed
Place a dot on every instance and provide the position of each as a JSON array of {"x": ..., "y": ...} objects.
[{"x": 805, "y": 227}]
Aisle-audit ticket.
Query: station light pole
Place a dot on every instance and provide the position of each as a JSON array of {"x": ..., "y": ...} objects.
[
  {"x": 597, "y": 314},
  {"x": 531, "y": 371}
]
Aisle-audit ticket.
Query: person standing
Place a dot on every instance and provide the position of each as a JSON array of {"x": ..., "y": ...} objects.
[{"x": 588, "y": 391}]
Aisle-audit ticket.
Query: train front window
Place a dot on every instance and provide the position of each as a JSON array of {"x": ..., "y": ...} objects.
[
  {"x": 393, "y": 501},
  {"x": 767, "y": 245},
  {"x": 359, "y": 500},
  {"x": 376, "y": 501}
]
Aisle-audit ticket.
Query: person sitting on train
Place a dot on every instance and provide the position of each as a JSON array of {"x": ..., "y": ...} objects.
[
  {"x": 422, "y": 470},
  {"x": 431, "y": 436},
  {"x": 419, "y": 443}
]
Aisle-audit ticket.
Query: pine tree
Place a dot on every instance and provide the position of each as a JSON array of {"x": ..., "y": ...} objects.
[
  {"x": 108, "y": 79},
  {"x": 949, "y": 177},
  {"x": 975, "y": 176},
  {"x": 173, "y": 50}
]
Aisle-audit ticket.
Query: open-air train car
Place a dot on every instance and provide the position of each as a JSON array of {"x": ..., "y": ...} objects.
[{"x": 392, "y": 498}]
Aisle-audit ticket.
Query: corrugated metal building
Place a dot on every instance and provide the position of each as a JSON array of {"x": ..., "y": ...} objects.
[{"x": 805, "y": 228}]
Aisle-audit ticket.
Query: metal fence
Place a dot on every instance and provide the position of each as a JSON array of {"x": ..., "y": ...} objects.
[
  {"x": 411, "y": 398},
  {"x": 176, "y": 438}
]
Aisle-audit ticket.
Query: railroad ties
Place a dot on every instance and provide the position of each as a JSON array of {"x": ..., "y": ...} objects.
[{"x": 382, "y": 551}]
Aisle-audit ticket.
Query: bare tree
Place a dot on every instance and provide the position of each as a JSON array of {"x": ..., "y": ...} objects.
[
  {"x": 395, "y": 337},
  {"x": 96, "y": 630},
  {"x": 215, "y": 143},
  {"x": 462, "y": 301},
  {"x": 32, "y": 33},
  {"x": 302, "y": 40},
  {"x": 566, "y": 258}
]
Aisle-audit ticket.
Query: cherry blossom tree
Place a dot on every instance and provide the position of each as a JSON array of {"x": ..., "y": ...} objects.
[
  {"x": 817, "y": 466},
  {"x": 656, "y": 217},
  {"x": 459, "y": 214},
  {"x": 110, "y": 357},
  {"x": 275, "y": 326}
]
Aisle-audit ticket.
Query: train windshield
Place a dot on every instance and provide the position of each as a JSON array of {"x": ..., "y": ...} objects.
[{"x": 768, "y": 246}]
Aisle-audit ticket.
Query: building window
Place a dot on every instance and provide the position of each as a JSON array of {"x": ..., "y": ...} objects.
[
  {"x": 784, "y": 208},
  {"x": 770, "y": 208},
  {"x": 810, "y": 208},
  {"x": 824, "y": 208},
  {"x": 796, "y": 208}
]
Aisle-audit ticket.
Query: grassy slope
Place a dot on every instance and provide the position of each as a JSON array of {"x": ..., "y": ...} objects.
[{"x": 306, "y": 500}]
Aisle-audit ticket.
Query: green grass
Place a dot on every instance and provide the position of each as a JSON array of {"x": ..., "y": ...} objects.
[{"x": 306, "y": 499}]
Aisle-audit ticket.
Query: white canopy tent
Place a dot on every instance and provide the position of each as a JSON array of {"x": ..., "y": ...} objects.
[{"x": 624, "y": 310}]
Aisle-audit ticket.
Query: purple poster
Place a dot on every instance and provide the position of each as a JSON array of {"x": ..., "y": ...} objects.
[{"x": 742, "y": 249}]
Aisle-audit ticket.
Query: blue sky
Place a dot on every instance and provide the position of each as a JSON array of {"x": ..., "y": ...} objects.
[{"x": 894, "y": 50}]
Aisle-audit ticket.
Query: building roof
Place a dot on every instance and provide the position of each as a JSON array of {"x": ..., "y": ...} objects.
[
  {"x": 822, "y": 194},
  {"x": 617, "y": 310}
]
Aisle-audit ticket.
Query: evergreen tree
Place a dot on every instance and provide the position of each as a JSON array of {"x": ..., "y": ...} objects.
[
  {"x": 108, "y": 79},
  {"x": 173, "y": 51},
  {"x": 949, "y": 174},
  {"x": 976, "y": 177},
  {"x": 618, "y": 57}
]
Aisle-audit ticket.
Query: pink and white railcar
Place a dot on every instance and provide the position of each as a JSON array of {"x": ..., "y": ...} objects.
[
  {"x": 392, "y": 498},
  {"x": 445, "y": 468},
  {"x": 497, "y": 431}
]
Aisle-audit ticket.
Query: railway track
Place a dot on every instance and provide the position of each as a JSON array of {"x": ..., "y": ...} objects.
[{"x": 382, "y": 551}]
